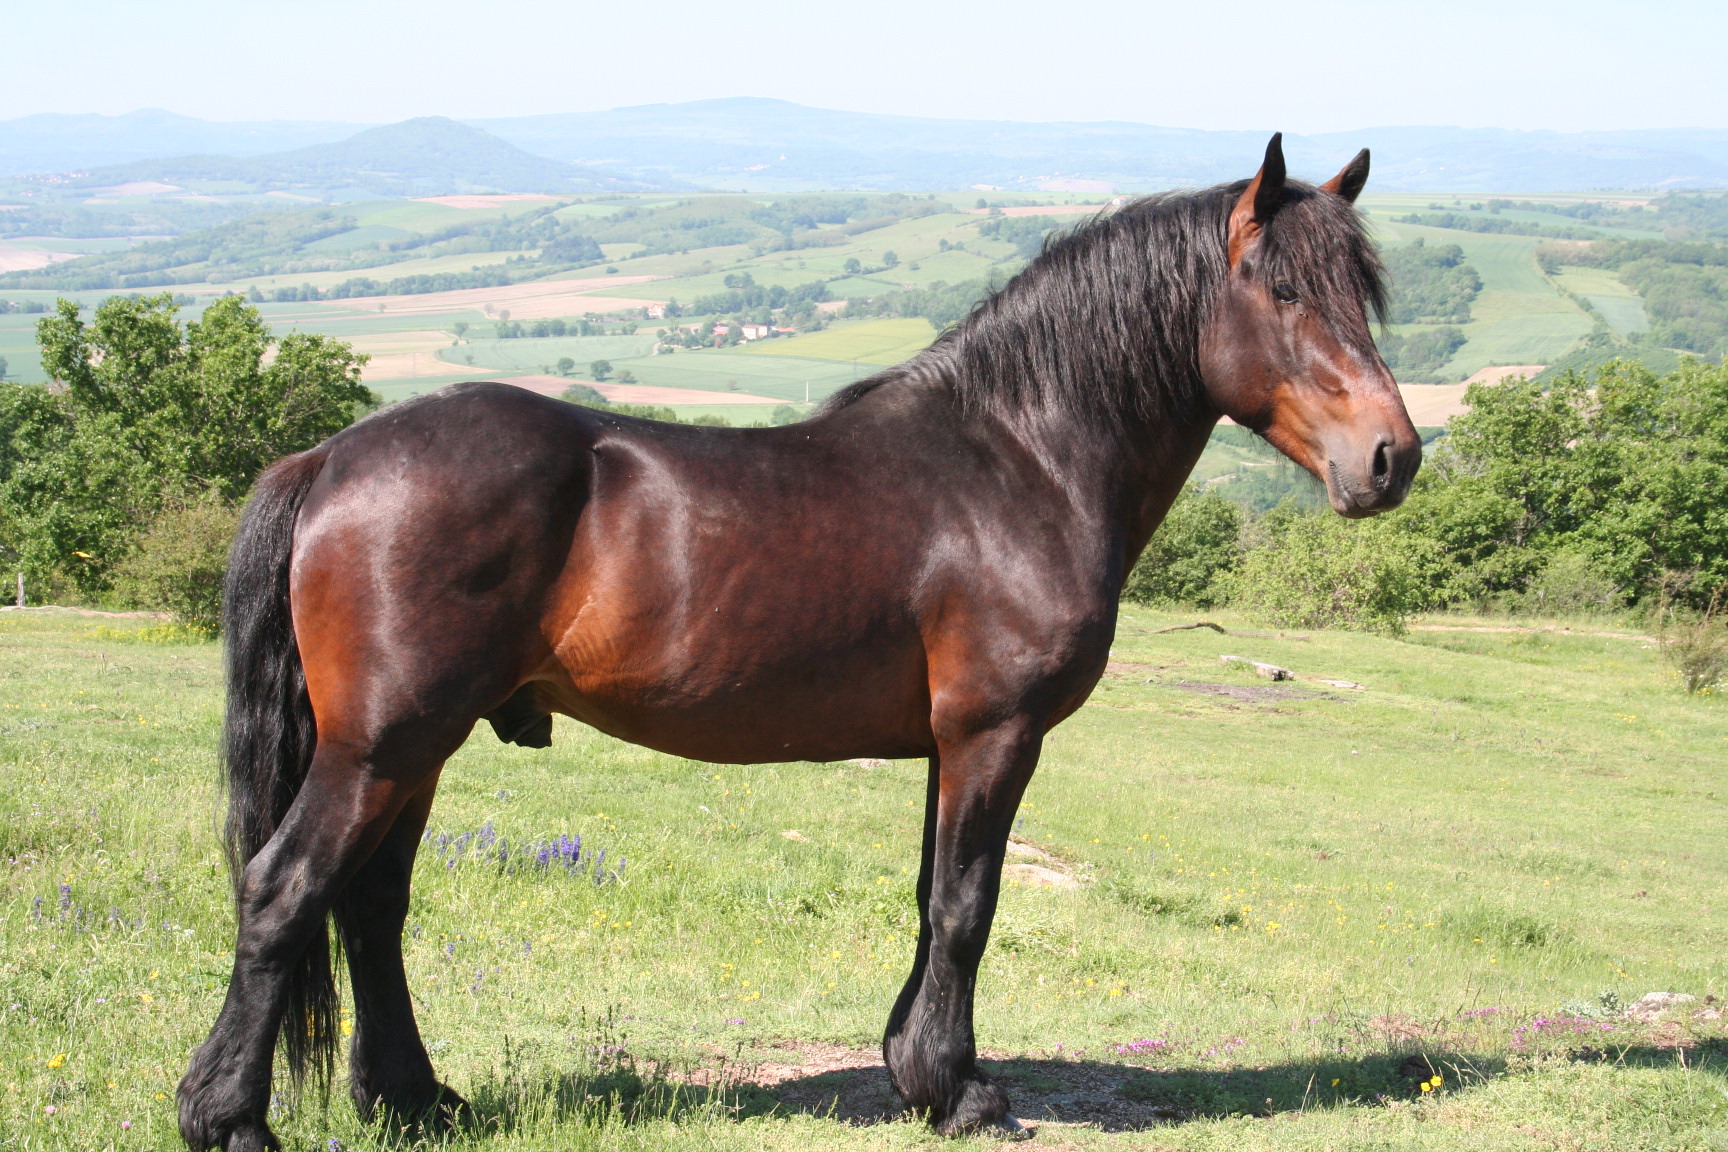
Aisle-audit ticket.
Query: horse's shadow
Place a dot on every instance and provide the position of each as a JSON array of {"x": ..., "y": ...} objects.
[
  {"x": 852, "y": 1088},
  {"x": 1124, "y": 1097}
]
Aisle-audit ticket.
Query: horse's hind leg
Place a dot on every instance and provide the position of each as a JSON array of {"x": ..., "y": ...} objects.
[
  {"x": 975, "y": 788},
  {"x": 387, "y": 1062},
  {"x": 350, "y": 800}
]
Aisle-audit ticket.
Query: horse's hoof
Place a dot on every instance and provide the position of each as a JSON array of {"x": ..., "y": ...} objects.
[
  {"x": 1008, "y": 1128},
  {"x": 452, "y": 1111}
]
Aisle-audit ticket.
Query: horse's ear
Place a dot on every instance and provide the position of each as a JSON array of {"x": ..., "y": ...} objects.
[
  {"x": 1348, "y": 183},
  {"x": 1260, "y": 201}
]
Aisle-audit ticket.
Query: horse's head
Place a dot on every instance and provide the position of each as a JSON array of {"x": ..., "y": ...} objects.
[{"x": 1287, "y": 349}]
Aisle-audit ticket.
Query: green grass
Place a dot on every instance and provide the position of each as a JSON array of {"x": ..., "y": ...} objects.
[
  {"x": 1622, "y": 308},
  {"x": 878, "y": 342},
  {"x": 529, "y": 354},
  {"x": 18, "y": 346},
  {"x": 733, "y": 370},
  {"x": 1295, "y": 895},
  {"x": 1519, "y": 318}
]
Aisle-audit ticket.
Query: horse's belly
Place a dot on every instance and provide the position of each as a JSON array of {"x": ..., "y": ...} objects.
[
  {"x": 728, "y": 708},
  {"x": 748, "y": 724}
]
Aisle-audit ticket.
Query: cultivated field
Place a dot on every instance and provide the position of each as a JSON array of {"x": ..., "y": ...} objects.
[
  {"x": 1280, "y": 909},
  {"x": 1522, "y": 316}
]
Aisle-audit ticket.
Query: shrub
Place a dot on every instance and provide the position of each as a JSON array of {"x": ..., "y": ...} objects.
[
  {"x": 180, "y": 561},
  {"x": 1571, "y": 583},
  {"x": 1195, "y": 547},
  {"x": 1696, "y": 644},
  {"x": 1317, "y": 570},
  {"x": 585, "y": 394}
]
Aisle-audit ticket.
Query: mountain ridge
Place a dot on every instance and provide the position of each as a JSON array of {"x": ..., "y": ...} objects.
[{"x": 767, "y": 144}]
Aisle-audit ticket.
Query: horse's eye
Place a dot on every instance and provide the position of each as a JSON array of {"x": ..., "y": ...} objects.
[{"x": 1284, "y": 292}]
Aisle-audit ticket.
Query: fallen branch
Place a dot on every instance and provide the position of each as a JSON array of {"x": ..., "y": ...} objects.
[
  {"x": 1270, "y": 671},
  {"x": 1188, "y": 627}
]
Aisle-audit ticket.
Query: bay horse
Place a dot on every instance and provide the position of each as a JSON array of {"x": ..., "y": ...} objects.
[{"x": 928, "y": 566}]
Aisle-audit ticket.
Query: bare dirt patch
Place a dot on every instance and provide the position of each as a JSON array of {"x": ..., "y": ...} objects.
[
  {"x": 1251, "y": 693},
  {"x": 1431, "y": 405},
  {"x": 539, "y": 300},
  {"x": 851, "y": 1086},
  {"x": 17, "y": 259}
]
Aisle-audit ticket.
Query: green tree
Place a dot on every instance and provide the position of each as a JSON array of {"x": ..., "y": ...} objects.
[
  {"x": 153, "y": 412},
  {"x": 2, "y": 367},
  {"x": 180, "y": 561},
  {"x": 852, "y": 267},
  {"x": 600, "y": 369},
  {"x": 566, "y": 365},
  {"x": 1622, "y": 467},
  {"x": 1191, "y": 554},
  {"x": 1319, "y": 570}
]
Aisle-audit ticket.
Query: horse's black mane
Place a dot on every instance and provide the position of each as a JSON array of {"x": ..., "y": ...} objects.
[{"x": 1105, "y": 323}]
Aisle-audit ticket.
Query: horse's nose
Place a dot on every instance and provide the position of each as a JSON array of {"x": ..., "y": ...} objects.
[{"x": 1392, "y": 464}]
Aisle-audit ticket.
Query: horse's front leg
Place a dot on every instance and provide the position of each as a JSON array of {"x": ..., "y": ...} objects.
[{"x": 974, "y": 789}]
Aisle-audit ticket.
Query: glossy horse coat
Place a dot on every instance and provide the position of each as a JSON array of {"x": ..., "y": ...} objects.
[{"x": 927, "y": 567}]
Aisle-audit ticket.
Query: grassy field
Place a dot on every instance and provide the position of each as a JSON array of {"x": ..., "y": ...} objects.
[
  {"x": 1519, "y": 318},
  {"x": 527, "y": 354},
  {"x": 733, "y": 370},
  {"x": 1622, "y": 308},
  {"x": 878, "y": 342},
  {"x": 1292, "y": 903}
]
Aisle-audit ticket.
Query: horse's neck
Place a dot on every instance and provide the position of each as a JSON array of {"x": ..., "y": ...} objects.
[
  {"x": 1120, "y": 478},
  {"x": 1128, "y": 476}
]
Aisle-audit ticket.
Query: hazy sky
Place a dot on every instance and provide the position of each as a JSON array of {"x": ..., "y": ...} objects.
[{"x": 1300, "y": 65}]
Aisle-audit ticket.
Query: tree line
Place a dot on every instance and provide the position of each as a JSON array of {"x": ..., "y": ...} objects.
[{"x": 1596, "y": 492}]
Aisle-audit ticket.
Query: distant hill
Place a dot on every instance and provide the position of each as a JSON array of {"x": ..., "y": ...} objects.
[
  {"x": 428, "y": 156},
  {"x": 58, "y": 142},
  {"x": 775, "y": 145}
]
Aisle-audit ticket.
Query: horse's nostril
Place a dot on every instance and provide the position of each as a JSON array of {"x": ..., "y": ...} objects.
[{"x": 1382, "y": 462}]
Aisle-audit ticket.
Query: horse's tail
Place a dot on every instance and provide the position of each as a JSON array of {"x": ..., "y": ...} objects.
[{"x": 269, "y": 735}]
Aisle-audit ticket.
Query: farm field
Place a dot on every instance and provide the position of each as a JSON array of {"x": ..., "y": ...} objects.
[
  {"x": 733, "y": 370},
  {"x": 1620, "y": 307},
  {"x": 1521, "y": 317},
  {"x": 879, "y": 342},
  {"x": 1284, "y": 906}
]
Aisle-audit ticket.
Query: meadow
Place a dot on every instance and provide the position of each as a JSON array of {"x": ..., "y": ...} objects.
[{"x": 1279, "y": 910}]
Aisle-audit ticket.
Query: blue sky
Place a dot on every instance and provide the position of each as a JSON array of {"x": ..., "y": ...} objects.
[{"x": 1300, "y": 65}]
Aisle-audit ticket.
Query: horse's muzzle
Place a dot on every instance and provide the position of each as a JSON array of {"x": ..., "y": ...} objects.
[{"x": 1367, "y": 481}]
